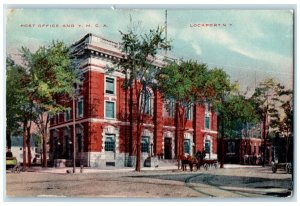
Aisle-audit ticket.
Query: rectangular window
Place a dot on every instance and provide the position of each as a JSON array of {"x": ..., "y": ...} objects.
[
  {"x": 231, "y": 147},
  {"x": 207, "y": 107},
  {"x": 207, "y": 146},
  {"x": 53, "y": 119},
  {"x": 109, "y": 109},
  {"x": 145, "y": 144},
  {"x": 169, "y": 108},
  {"x": 147, "y": 105},
  {"x": 172, "y": 108},
  {"x": 80, "y": 107},
  {"x": 67, "y": 114},
  {"x": 187, "y": 143},
  {"x": 188, "y": 113},
  {"x": 80, "y": 143},
  {"x": 207, "y": 122},
  {"x": 109, "y": 85},
  {"x": 109, "y": 143}
]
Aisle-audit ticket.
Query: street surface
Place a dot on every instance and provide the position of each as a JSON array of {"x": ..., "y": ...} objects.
[{"x": 234, "y": 182}]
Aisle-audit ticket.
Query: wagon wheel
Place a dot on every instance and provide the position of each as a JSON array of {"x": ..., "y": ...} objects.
[
  {"x": 274, "y": 169},
  {"x": 18, "y": 169},
  {"x": 288, "y": 168},
  {"x": 205, "y": 166}
]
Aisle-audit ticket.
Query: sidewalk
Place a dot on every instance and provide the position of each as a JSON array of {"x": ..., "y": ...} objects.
[{"x": 63, "y": 170}]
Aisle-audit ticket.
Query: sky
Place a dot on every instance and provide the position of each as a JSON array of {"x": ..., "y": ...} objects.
[{"x": 250, "y": 45}]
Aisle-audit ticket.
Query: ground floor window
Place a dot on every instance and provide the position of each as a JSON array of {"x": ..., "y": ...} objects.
[
  {"x": 187, "y": 144},
  {"x": 207, "y": 146},
  {"x": 145, "y": 144},
  {"x": 79, "y": 142},
  {"x": 231, "y": 147},
  {"x": 109, "y": 142}
]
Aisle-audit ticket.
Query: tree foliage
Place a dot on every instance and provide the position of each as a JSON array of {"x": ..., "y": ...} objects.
[
  {"x": 273, "y": 106},
  {"x": 50, "y": 76},
  {"x": 140, "y": 52},
  {"x": 17, "y": 100},
  {"x": 238, "y": 111}
]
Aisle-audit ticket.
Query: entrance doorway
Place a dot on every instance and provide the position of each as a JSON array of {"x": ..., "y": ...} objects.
[{"x": 168, "y": 148}]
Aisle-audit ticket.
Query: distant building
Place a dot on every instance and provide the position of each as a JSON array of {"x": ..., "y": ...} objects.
[
  {"x": 17, "y": 149},
  {"x": 247, "y": 149},
  {"x": 102, "y": 117}
]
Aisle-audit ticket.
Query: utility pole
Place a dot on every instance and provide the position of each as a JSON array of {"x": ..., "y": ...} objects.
[
  {"x": 166, "y": 29},
  {"x": 74, "y": 134},
  {"x": 222, "y": 137}
]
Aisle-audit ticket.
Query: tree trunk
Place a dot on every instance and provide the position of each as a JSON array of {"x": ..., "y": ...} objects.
[
  {"x": 24, "y": 144},
  {"x": 265, "y": 141},
  {"x": 8, "y": 138},
  {"x": 131, "y": 120},
  {"x": 139, "y": 110},
  {"x": 138, "y": 148},
  {"x": 45, "y": 149},
  {"x": 29, "y": 145}
]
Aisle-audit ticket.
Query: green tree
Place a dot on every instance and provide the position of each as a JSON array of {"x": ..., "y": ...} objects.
[
  {"x": 238, "y": 111},
  {"x": 18, "y": 105},
  {"x": 52, "y": 76},
  {"x": 183, "y": 82},
  {"x": 191, "y": 83},
  {"x": 265, "y": 99},
  {"x": 140, "y": 53},
  {"x": 14, "y": 97},
  {"x": 282, "y": 120}
]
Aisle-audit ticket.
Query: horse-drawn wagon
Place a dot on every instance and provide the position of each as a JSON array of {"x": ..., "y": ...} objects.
[{"x": 197, "y": 162}]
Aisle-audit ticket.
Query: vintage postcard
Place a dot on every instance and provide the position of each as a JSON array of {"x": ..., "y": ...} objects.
[{"x": 149, "y": 103}]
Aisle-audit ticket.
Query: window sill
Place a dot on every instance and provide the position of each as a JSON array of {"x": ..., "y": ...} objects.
[
  {"x": 109, "y": 118},
  {"x": 110, "y": 95}
]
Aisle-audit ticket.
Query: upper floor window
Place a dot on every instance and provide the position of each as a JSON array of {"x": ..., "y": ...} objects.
[
  {"x": 207, "y": 107},
  {"x": 146, "y": 102},
  {"x": 53, "y": 119},
  {"x": 110, "y": 110},
  {"x": 169, "y": 108},
  {"x": 207, "y": 122},
  {"x": 67, "y": 114},
  {"x": 80, "y": 107},
  {"x": 188, "y": 112},
  {"x": 109, "y": 85}
]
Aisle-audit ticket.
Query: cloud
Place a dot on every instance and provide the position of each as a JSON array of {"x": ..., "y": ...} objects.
[
  {"x": 232, "y": 43},
  {"x": 197, "y": 48}
]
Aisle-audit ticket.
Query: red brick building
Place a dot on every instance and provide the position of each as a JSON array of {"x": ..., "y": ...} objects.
[
  {"x": 103, "y": 133},
  {"x": 248, "y": 148}
]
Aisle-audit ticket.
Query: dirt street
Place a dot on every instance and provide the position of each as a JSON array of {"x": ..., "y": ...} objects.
[{"x": 234, "y": 182}]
